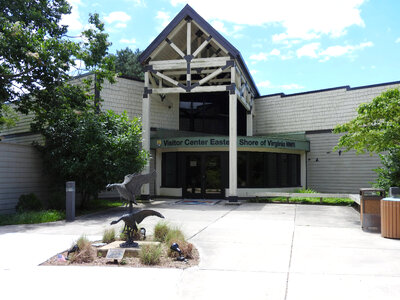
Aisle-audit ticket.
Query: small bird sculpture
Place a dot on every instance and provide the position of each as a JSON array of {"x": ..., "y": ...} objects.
[
  {"x": 131, "y": 220},
  {"x": 131, "y": 186}
]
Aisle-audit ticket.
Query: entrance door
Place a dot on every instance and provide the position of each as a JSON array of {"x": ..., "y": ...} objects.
[{"x": 203, "y": 176}]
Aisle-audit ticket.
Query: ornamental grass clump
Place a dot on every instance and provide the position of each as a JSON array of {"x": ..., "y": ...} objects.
[
  {"x": 150, "y": 254},
  {"x": 160, "y": 231},
  {"x": 85, "y": 253},
  {"x": 108, "y": 236}
]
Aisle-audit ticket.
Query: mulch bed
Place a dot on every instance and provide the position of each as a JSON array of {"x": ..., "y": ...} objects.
[{"x": 165, "y": 261}]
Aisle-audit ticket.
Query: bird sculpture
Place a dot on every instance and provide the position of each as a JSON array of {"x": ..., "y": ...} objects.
[
  {"x": 131, "y": 220},
  {"x": 131, "y": 186}
]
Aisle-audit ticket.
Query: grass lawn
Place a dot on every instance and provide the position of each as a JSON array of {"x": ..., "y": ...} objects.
[
  {"x": 306, "y": 200},
  {"x": 44, "y": 216}
]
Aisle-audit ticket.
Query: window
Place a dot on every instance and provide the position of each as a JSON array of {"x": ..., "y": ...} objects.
[
  {"x": 170, "y": 169},
  {"x": 268, "y": 170}
]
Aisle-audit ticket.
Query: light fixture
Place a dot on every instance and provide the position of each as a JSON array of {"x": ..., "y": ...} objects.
[
  {"x": 175, "y": 247},
  {"x": 143, "y": 232}
]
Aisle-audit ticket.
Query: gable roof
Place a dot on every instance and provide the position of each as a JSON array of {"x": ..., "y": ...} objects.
[{"x": 188, "y": 11}]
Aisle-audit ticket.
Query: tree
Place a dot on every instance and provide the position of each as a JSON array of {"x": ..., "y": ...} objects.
[
  {"x": 389, "y": 173},
  {"x": 376, "y": 127},
  {"x": 8, "y": 116},
  {"x": 81, "y": 142},
  {"x": 127, "y": 63},
  {"x": 37, "y": 55},
  {"x": 92, "y": 148}
]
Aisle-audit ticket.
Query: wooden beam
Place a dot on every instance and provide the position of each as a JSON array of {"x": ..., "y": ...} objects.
[
  {"x": 169, "y": 79},
  {"x": 195, "y": 63},
  {"x": 202, "y": 46},
  {"x": 175, "y": 47},
  {"x": 152, "y": 81},
  {"x": 182, "y": 72},
  {"x": 189, "y": 38},
  {"x": 171, "y": 36},
  {"x": 242, "y": 100},
  {"x": 210, "y": 76},
  {"x": 173, "y": 90},
  {"x": 212, "y": 88},
  {"x": 198, "y": 89}
]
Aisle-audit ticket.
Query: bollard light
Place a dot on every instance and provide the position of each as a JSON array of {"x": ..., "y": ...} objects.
[{"x": 175, "y": 247}]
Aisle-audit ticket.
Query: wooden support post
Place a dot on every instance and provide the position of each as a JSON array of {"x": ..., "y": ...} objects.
[
  {"x": 146, "y": 131},
  {"x": 249, "y": 123},
  {"x": 233, "y": 142}
]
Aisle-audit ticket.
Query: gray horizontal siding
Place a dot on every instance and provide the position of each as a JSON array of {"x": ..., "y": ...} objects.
[
  {"x": 334, "y": 173},
  {"x": 20, "y": 173},
  {"x": 313, "y": 111}
]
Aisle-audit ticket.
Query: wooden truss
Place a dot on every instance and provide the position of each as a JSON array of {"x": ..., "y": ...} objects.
[{"x": 194, "y": 73}]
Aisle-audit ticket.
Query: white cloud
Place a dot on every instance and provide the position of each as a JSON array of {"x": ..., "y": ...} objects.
[
  {"x": 308, "y": 50},
  {"x": 137, "y": 2},
  {"x": 253, "y": 72},
  {"x": 265, "y": 83},
  {"x": 285, "y": 87},
  {"x": 117, "y": 16},
  {"x": 313, "y": 50},
  {"x": 73, "y": 20},
  {"x": 234, "y": 32},
  {"x": 219, "y": 26},
  {"x": 398, "y": 40},
  {"x": 263, "y": 56},
  {"x": 120, "y": 25},
  {"x": 164, "y": 18},
  {"x": 292, "y": 86},
  {"x": 306, "y": 19},
  {"x": 335, "y": 51},
  {"x": 126, "y": 41}
]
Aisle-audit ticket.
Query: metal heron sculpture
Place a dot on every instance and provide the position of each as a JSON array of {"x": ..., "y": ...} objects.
[
  {"x": 131, "y": 186},
  {"x": 131, "y": 220}
]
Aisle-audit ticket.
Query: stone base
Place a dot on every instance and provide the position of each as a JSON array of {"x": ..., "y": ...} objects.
[
  {"x": 129, "y": 252},
  {"x": 233, "y": 200}
]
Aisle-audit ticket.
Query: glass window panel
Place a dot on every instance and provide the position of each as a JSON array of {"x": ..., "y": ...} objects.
[
  {"x": 256, "y": 169},
  {"x": 271, "y": 170},
  {"x": 170, "y": 169},
  {"x": 242, "y": 169},
  {"x": 283, "y": 169}
]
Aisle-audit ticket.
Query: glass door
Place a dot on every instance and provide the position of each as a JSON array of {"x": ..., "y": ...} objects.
[
  {"x": 212, "y": 176},
  {"x": 203, "y": 176},
  {"x": 193, "y": 178}
]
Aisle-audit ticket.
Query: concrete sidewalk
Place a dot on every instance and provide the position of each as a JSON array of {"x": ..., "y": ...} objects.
[{"x": 252, "y": 251}]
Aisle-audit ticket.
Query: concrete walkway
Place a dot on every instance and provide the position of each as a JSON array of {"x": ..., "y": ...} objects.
[{"x": 252, "y": 251}]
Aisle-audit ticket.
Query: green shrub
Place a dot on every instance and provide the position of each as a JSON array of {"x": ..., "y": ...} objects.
[
  {"x": 174, "y": 235},
  {"x": 150, "y": 254},
  {"x": 305, "y": 191},
  {"x": 160, "y": 231},
  {"x": 108, "y": 236},
  {"x": 32, "y": 217},
  {"x": 29, "y": 202}
]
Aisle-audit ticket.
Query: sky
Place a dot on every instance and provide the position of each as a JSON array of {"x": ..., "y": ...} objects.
[{"x": 289, "y": 46}]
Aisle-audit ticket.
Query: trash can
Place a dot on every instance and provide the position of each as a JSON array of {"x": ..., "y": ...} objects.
[
  {"x": 370, "y": 208},
  {"x": 390, "y": 214}
]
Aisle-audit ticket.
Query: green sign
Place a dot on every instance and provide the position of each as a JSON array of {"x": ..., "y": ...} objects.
[{"x": 218, "y": 141}]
